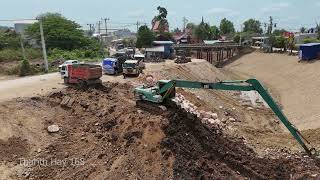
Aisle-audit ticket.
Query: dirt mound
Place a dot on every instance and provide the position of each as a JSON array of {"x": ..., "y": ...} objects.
[
  {"x": 103, "y": 135},
  {"x": 206, "y": 153},
  {"x": 13, "y": 149}
]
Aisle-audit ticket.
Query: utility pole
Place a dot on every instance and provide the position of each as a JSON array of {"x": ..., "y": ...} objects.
[
  {"x": 91, "y": 27},
  {"x": 22, "y": 47},
  {"x": 240, "y": 42},
  {"x": 138, "y": 24},
  {"x": 99, "y": 27},
  {"x": 44, "y": 51},
  {"x": 185, "y": 21},
  {"x": 106, "y": 24}
]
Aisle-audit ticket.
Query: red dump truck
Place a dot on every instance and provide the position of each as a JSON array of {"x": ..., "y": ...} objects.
[{"x": 82, "y": 75}]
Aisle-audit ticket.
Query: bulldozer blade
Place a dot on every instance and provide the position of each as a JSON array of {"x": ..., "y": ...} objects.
[{"x": 151, "y": 107}]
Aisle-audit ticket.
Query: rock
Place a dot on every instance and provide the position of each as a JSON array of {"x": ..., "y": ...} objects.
[
  {"x": 314, "y": 175},
  {"x": 232, "y": 119},
  {"x": 220, "y": 107},
  {"x": 233, "y": 108},
  {"x": 53, "y": 129},
  {"x": 83, "y": 138},
  {"x": 96, "y": 124},
  {"x": 39, "y": 150},
  {"x": 250, "y": 108}
]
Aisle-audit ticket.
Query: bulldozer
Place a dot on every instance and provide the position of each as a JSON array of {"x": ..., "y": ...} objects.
[
  {"x": 182, "y": 57},
  {"x": 164, "y": 90}
]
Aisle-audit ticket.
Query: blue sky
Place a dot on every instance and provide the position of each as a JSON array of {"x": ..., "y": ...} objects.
[{"x": 289, "y": 14}]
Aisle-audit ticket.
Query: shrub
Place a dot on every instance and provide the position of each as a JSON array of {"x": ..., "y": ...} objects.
[
  {"x": 311, "y": 40},
  {"x": 55, "y": 54},
  {"x": 25, "y": 68},
  {"x": 16, "y": 54}
]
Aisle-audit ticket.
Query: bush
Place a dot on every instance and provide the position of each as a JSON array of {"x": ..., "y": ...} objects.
[
  {"x": 16, "y": 54},
  {"x": 25, "y": 68},
  {"x": 55, "y": 54},
  {"x": 311, "y": 40}
]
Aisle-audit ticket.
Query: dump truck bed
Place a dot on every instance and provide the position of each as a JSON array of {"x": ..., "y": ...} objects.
[{"x": 84, "y": 71}]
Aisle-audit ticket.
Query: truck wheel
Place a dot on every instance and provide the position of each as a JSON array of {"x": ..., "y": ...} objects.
[
  {"x": 65, "y": 80},
  {"x": 82, "y": 85}
]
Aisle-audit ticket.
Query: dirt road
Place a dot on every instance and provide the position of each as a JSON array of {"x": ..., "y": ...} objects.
[
  {"x": 38, "y": 85},
  {"x": 295, "y": 84}
]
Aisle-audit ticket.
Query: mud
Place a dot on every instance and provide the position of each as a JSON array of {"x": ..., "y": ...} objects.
[{"x": 105, "y": 136}]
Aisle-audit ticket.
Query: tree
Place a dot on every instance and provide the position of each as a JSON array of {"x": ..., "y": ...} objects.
[
  {"x": 177, "y": 30},
  {"x": 162, "y": 18},
  {"x": 9, "y": 39},
  {"x": 318, "y": 30},
  {"x": 60, "y": 33},
  {"x": 203, "y": 31},
  {"x": 214, "y": 31},
  {"x": 302, "y": 29},
  {"x": 226, "y": 27},
  {"x": 144, "y": 37},
  {"x": 279, "y": 32},
  {"x": 190, "y": 26},
  {"x": 253, "y": 26}
]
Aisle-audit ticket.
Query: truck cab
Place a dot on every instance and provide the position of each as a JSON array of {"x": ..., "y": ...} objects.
[
  {"x": 131, "y": 67},
  {"x": 140, "y": 58},
  {"x": 63, "y": 68}
]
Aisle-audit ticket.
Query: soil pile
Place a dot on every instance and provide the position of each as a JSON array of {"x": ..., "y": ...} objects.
[{"x": 103, "y": 135}]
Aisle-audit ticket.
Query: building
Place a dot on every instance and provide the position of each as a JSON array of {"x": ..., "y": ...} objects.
[
  {"x": 21, "y": 26},
  {"x": 154, "y": 52},
  {"x": 300, "y": 37},
  {"x": 167, "y": 46}
]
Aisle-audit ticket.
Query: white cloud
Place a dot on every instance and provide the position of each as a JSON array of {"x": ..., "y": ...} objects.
[{"x": 276, "y": 7}]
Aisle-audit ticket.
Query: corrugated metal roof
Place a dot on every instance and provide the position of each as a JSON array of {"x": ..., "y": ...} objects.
[
  {"x": 162, "y": 42},
  {"x": 155, "y": 49}
]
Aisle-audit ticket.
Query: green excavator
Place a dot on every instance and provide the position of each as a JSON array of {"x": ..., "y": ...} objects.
[{"x": 164, "y": 90}]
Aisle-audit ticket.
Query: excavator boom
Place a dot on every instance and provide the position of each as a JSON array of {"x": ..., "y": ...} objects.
[{"x": 165, "y": 89}]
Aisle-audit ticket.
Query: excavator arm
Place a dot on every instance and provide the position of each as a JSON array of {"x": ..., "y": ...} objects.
[{"x": 165, "y": 89}]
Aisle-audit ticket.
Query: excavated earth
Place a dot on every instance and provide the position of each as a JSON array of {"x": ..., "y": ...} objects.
[{"x": 103, "y": 135}]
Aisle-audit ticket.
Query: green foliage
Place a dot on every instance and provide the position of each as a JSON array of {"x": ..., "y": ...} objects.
[
  {"x": 280, "y": 42},
  {"x": 253, "y": 26},
  {"x": 236, "y": 38},
  {"x": 162, "y": 13},
  {"x": 302, "y": 29},
  {"x": 203, "y": 31},
  {"x": 318, "y": 30},
  {"x": 60, "y": 33},
  {"x": 145, "y": 37},
  {"x": 25, "y": 68},
  {"x": 279, "y": 32},
  {"x": 311, "y": 40},
  {"x": 226, "y": 27},
  {"x": 129, "y": 42},
  {"x": 190, "y": 26},
  {"x": 16, "y": 54},
  {"x": 55, "y": 54},
  {"x": 9, "y": 39},
  {"x": 215, "y": 32}
]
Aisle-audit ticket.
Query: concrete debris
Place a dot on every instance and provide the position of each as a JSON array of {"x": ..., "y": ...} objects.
[{"x": 53, "y": 128}]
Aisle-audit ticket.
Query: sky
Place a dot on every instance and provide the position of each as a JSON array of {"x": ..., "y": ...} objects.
[{"x": 288, "y": 14}]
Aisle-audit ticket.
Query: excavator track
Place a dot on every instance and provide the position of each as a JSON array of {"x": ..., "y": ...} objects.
[{"x": 151, "y": 107}]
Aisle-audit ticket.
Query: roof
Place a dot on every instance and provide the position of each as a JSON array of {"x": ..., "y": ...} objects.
[
  {"x": 211, "y": 41},
  {"x": 110, "y": 59},
  {"x": 257, "y": 38},
  {"x": 26, "y": 21},
  {"x": 155, "y": 49},
  {"x": 139, "y": 56},
  {"x": 131, "y": 61},
  {"x": 162, "y": 42},
  {"x": 311, "y": 44}
]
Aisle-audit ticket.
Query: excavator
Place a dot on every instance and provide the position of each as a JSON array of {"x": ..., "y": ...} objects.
[{"x": 164, "y": 90}]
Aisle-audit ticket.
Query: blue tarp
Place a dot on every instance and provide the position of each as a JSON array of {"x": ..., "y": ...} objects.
[{"x": 108, "y": 65}]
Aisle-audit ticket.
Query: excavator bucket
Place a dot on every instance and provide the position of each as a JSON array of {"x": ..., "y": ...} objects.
[{"x": 151, "y": 107}]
